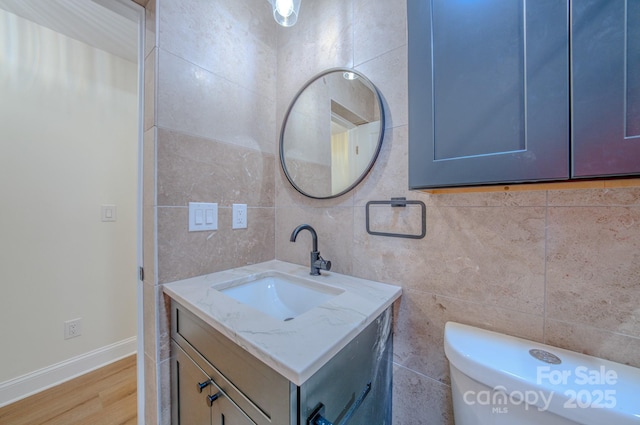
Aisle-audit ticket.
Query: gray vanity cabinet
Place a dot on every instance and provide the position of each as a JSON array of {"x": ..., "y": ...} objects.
[
  {"x": 189, "y": 383},
  {"x": 246, "y": 392},
  {"x": 201, "y": 401},
  {"x": 493, "y": 98},
  {"x": 354, "y": 387},
  {"x": 606, "y": 87},
  {"x": 488, "y": 92}
]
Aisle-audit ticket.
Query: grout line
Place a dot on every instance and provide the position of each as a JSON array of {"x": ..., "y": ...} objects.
[
  {"x": 477, "y": 303},
  {"x": 595, "y": 328},
  {"x": 214, "y": 140},
  {"x": 421, "y": 374}
]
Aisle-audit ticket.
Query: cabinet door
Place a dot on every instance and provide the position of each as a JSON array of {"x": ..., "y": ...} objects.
[
  {"x": 606, "y": 87},
  {"x": 226, "y": 413},
  {"x": 189, "y": 404},
  {"x": 488, "y": 91}
]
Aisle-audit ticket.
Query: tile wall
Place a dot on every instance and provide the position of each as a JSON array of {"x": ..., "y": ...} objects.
[
  {"x": 560, "y": 267},
  {"x": 210, "y": 125}
]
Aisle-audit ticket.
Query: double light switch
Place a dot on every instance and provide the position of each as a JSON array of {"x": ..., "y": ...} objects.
[{"x": 203, "y": 216}]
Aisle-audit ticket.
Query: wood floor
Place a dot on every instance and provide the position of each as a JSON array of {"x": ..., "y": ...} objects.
[{"x": 106, "y": 396}]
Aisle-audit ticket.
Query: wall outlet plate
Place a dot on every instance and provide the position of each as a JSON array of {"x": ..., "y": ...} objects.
[
  {"x": 73, "y": 328},
  {"x": 239, "y": 216}
]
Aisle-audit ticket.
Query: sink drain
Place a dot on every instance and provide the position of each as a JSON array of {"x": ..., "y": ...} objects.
[
  {"x": 545, "y": 356},
  {"x": 288, "y": 318}
]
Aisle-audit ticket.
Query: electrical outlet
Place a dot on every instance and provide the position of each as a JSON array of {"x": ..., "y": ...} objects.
[
  {"x": 239, "y": 214},
  {"x": 72, "y": 328}
]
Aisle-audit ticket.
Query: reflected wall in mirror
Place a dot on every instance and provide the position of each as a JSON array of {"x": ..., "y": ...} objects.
[{"x": 332, "y": 133}]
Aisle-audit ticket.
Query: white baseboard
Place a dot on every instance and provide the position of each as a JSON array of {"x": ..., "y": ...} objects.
[{"x": 39, "y": 380}]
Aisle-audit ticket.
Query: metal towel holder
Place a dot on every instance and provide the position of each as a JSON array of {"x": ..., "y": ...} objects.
[{"x": 399, "y": 202}]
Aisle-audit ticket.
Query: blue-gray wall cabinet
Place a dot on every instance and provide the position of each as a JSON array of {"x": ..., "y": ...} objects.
[
  {"x": 605, "y": 100},
  {"x": 488, "y": 92}
]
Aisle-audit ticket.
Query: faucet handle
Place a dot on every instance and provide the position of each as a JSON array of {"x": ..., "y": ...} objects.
[{"x": 322, "y": 264}]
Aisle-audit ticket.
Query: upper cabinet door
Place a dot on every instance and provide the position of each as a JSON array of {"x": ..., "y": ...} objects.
[
  {"x": 606, "y": 87},
  {"x": 488, "y": 91}
]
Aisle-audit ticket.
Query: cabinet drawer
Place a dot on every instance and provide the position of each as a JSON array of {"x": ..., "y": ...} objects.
[
  {"x": 258, "y": 390},
  {"x": 196, "y": 397}
]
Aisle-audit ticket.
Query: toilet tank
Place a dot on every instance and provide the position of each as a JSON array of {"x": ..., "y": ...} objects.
[{"x": 499, "y": 379}]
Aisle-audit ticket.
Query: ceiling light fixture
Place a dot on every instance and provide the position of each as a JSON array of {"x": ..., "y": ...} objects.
[
  {"x": 285, "y": 12},
  {"x": 350, "y": 75}
]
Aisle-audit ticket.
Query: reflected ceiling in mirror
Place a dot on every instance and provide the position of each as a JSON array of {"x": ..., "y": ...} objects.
[{"x": 332, "y": 133}]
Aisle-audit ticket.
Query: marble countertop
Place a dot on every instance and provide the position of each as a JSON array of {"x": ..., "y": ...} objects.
[{"x": 296, "y": 348}]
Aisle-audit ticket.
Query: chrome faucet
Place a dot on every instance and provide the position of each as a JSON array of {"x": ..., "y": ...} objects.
[{"x": 317, "y": 262}]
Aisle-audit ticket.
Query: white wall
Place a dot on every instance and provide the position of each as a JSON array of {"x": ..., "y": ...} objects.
[{"x": 68, "y": 143}]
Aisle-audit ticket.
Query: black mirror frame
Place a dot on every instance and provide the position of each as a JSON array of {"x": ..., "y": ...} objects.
[{"x": 374, "y": 156}]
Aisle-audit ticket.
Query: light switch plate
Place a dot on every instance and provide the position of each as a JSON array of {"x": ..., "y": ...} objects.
[
  {"x": 109, "y": 213},
  {"x": 239, "y": 214},
  {"x": 203, "y": 216}
]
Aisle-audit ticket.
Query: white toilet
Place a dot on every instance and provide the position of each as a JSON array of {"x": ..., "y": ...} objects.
[{"x": 498, "y": 379}]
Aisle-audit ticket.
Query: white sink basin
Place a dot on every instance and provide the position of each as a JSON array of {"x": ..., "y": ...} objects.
[{"x": 278, "y": 294}]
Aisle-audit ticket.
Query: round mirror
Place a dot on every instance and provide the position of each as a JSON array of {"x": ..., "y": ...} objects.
[{"x": 332, "y": 133}]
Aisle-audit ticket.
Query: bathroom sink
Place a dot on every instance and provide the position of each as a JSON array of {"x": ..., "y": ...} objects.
[{"x": 279, "y": 295}]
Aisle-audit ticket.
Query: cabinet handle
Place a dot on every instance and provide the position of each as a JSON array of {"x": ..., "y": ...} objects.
[
  {"x": 212, "y": 398},
  {"x": 316, "y": 417},
  {"x": 203, "y": 385}
]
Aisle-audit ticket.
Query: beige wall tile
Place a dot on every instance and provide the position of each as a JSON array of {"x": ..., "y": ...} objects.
[
  {"x": 149, "y": 244},
  {"x": 164, "y": 325},
  {"x": 321, "y": 39},
  {"x": 150, "y": 391},
  {"x": 236, "y": 42},
  {"x": 629, "y": 196},
  {"x": 183, "y": 254},
  {"x": 156, "y": 318},
  {"x": 388, "y": 177},
  {"x": 487, "y": 255},
  {"x": 389, "y": 18},
  {"x": 195, "y": 101},
  {"x": 149, "y": 167},
  {"x": 419, "y": 328},
  {"x": 164, "y": 391},
  {"x": 194, "y": 169},
  {"x": 593, "y": 267},
  {"x": 490, "y": 199},
  {"x": 148, "y": 206},
  {"x": 418, "y": 399},
  {"x": 150, "y": 315},
  {"x": 586, "y": 339},
  {"x": 333, "y": 226},
  {"x": 150, "y": 39},
  {"x": 150, "y": 90}
]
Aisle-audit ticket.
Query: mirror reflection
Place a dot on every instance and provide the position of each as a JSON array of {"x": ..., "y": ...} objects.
[{"x": 332, "y": 133}]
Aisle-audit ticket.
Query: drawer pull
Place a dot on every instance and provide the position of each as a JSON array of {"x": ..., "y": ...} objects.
[
  {"x": 212, "y": 398},
  {"x": 203, "y": 385}
]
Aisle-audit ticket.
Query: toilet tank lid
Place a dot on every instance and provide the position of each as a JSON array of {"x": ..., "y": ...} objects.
[{"x": 585, "y": 389}]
